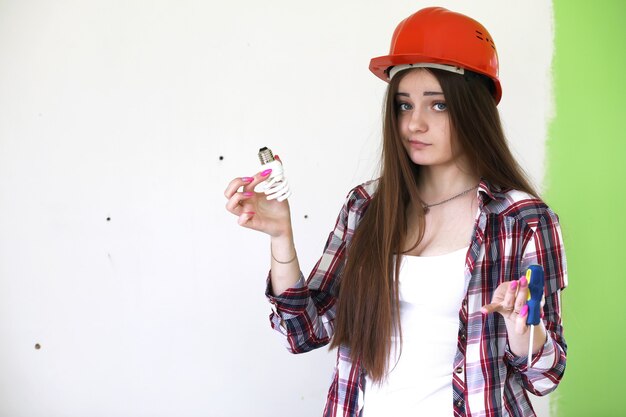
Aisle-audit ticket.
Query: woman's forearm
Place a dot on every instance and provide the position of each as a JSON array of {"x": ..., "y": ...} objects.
[{"x": 285, "y": 266}]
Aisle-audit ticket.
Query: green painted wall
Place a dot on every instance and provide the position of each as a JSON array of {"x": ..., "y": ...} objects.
[{"x": 586, "y": 185}]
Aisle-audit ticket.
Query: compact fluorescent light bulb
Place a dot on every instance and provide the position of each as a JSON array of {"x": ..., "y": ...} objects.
[{"x": 276, "y": 185}]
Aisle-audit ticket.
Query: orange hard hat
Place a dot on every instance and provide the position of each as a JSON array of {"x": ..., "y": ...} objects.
[{"x": 436, "y": 37}]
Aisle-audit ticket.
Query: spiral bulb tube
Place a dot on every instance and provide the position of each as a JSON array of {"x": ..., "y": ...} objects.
[{"x": 276, "y": 185}]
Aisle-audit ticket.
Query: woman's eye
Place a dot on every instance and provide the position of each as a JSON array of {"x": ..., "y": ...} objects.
[
  {"x": 404, "y": 106},
  {"x": 440, "y": 106}
]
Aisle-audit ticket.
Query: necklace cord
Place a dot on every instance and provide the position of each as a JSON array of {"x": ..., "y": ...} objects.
[{"x": 427, "y": 206}]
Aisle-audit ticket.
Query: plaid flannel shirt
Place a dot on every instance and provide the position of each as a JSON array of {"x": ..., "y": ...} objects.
[{"x": 512, "y": 231}]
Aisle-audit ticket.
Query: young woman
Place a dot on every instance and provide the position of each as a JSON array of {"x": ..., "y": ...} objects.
[{"x": 419, "y": 284}]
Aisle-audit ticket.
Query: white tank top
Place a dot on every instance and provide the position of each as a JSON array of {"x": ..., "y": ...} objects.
[{"x": 432, "y": 289}]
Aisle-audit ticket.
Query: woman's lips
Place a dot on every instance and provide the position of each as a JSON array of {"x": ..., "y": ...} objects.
[{"x": 416, "y": 144}]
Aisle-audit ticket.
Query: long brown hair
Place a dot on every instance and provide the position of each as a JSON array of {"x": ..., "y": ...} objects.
[{"x": 368, "y": 308}]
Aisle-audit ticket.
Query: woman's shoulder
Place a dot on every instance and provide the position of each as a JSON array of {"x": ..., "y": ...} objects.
[
  {"x": 519, "y": 205},
  {"x": 358, "y": 198},
  {"x": 518, "y": 197},
  {"x": 363, "y": 192},
  {"x": 369, "y": 187}
]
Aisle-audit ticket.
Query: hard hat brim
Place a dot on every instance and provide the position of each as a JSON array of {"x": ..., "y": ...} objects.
[{"x": 380, "y": 67}]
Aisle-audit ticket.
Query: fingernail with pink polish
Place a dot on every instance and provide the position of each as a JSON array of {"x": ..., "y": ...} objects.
[
  {"x": 266, "y": 172},
  {"x": 524, "y": 310},
  {"x": 523, "y": 281},
  {"x": 246, "y": 179},
  {"x": 248, "y": 194},
  {"x": 513, "y": 285}
]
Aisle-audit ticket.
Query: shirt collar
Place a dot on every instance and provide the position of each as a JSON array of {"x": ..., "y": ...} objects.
[{"x": 487, "y": 192}]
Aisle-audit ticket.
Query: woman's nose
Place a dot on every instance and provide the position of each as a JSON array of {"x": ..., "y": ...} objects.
[{"x": 417, "y": 123}]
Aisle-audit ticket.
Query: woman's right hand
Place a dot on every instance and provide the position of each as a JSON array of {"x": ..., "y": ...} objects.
[{"x": 254, "y": 210}]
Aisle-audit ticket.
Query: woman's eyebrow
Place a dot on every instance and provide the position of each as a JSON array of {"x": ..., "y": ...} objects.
[{"x": 426, "y": 93}]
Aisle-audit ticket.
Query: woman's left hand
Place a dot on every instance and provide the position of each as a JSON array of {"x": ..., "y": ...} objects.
[{"x": 509, "y": 300}]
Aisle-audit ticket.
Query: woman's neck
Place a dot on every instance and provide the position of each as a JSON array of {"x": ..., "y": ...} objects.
[{"x": 439, "y": 182}]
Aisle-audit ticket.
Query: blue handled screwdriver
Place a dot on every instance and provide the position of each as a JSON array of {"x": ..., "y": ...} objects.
[{"x": 534, "y": 276}]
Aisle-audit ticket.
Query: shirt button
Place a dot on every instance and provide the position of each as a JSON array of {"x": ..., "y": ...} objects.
[
  {"x": 459, "y": 403},
  {"x": 462, "y": 336},
  {"x": 459, "y": 370},
  {"x": 464, "y": 302}
]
